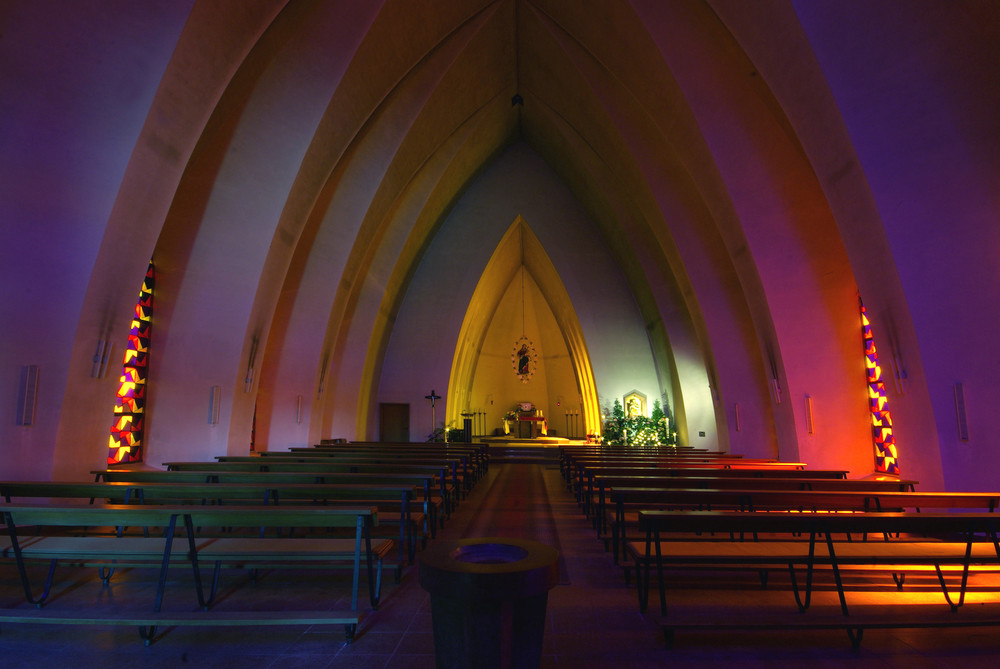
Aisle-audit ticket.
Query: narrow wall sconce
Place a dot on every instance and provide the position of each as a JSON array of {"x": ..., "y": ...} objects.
[
  {"x": 810, "y": 426},
  {"x": 214, "y": 404},
  {"x": 963, "y": 423},
  {"x": 101, "y": 356},
  {"x": 298, "y": 409},
  {"x": 27, "y": 393}
]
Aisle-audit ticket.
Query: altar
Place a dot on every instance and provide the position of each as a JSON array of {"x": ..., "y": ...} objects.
[{"x": 526, "y": 421}]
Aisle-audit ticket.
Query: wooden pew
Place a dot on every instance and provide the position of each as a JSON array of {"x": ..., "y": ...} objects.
[
  {"x": 448, "y": 490},
  {"x": 461, "y": 473},
  {"x": 586, "y": 481},
  {"x": 477, "y": 453},
  {"x": 582, "y": 465},
  {"x": 568, "y": 456},
  {"x": 626, "y": 503},
  {"x": 426, "y": 483},
  {"x": 603, "y": 483},
  {"x": 51, "y": 543},
  {"x": 959, "y": 541},
  {"x": 393, "y": 501}
]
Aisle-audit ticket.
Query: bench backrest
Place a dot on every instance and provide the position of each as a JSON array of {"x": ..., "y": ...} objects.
[
  {"x": 929, "y": 524},
  {"x": 155, "y": 491},
  {"x": 853, "y": 500},
  {"x": 710, "y": 471},
  {"x": 114, "y": 515}
]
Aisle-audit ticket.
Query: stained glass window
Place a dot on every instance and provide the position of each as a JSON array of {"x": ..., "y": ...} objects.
[
  {"x": 886, "y": 460},
  {"x": 125, "y": 442}
]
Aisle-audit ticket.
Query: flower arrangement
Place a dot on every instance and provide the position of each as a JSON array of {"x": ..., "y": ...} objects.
[{"x": 620, "y": 430}]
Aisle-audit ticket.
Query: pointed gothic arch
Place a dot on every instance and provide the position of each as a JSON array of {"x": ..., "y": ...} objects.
[{"x": 519, "y": 246}]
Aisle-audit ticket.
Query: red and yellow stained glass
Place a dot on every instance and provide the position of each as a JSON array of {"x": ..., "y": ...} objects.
[
  {"x": 125, "y": 441},
  {"x": 886, "y": 460}
]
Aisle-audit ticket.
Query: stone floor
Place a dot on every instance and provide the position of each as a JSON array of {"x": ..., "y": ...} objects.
[{"x": 593, "y": 618}]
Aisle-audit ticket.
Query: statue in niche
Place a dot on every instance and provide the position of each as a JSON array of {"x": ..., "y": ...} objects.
[{"x": 633, "y": 408}]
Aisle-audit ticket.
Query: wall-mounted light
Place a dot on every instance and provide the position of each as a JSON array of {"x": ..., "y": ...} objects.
[
  {"x": 810, "y": 426},
  {"x": 298, "y": 409},
  {"x": 99, "y": 367},
  {"x": 214, "y": 404},
  {"x": 963, "y": 423},
  {"x": 27, "y": 393}
]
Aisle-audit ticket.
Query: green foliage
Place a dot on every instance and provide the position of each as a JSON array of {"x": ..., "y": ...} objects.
[
  {"x": 657, "y": 415},
  {"x": 638, "y": 431},
  {"x": 614, "y": 424}
]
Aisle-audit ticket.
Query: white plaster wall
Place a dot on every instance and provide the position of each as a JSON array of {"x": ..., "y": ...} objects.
[
  {"x": 71, "y": 110},
  {"x": 423, "y": 341},
  {"x": 211, "y": 321},
  {"x": 918, "y": 89}
]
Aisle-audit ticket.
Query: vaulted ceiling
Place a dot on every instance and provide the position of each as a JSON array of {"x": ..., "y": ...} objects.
[{"x": 294, "y": 166}]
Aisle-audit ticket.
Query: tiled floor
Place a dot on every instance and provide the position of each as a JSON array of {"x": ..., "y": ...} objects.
[{"x": 593, "y": 618}]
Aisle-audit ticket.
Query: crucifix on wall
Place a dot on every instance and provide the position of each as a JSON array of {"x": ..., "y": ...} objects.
[{"x": 433, "y": 397}]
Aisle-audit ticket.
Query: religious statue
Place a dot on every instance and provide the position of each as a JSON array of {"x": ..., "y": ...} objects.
[
  {"x": 633, "y": 408},
  {"x": 523, "y": 357}
]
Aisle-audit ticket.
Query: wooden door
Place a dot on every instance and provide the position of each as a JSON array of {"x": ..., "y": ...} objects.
[{"x": 393, "y": 422}]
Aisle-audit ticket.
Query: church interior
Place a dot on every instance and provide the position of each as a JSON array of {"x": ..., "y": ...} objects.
[{"x": 764, "y": 230}]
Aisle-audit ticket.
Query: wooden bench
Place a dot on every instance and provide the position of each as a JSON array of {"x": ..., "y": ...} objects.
[
  {"x": 426, "y": 483},
  {"x": 461, "y": 473},
  {"x": 481, "y": 450},
  {"x": 570, "y": 461},
  {"x": 569, "y": 454},
  {"x": 50, "y": 542},
  {"x": 959, "y": 541},
  {"x": 476, "y": 456},
  {"x": 394, "y": 502},
  {"x": 573, "y": 464},
  {"x": 468, "y": 463},
  {"x": 447, "y": 490},
  {"x": 592, "y": 496},
  {"x": 627, "y": 502},
  {"x": 587, "y": 474}
]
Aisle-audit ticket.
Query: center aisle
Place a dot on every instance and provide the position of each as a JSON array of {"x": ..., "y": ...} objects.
[
  {"x": 593, "y": 618},
  {"x": 515, "y": 504}
]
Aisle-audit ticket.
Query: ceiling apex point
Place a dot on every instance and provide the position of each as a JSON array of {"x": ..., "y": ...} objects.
[{"x": 516, "y": 100}]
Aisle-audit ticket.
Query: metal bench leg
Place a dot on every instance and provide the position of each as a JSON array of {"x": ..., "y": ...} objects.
[
  {"x": 661, "y": 583},
  {"x": 147, "y": 634},
  {"x": 105, "y": 574},
  {"x": 22, "y": 570},
  {"x": 37, "y": 601},
  {"x": 802, "y": 604},
  {"x": 836, "y": 575},
  {"x": 944, "y": 587},
  {"x": 642, "y": 583}
]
